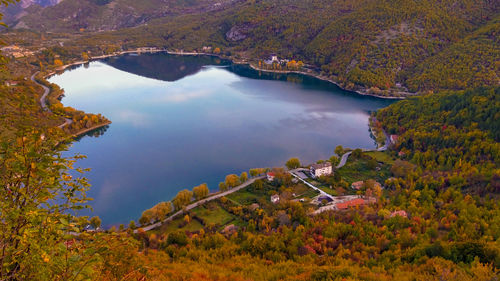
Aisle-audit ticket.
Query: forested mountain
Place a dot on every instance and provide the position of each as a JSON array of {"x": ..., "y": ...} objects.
[
  {"x": 99, "y": 15},
  {"x": 15, "y": 11},
  {"x": 403, "y": 45}
]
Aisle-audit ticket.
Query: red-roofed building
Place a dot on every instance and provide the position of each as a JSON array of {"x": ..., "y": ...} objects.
[
  {"x": 270, "y": 176},
  {"x": 351, "y": 203}
]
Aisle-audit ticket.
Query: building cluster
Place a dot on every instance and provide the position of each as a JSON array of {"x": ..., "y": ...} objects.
[
  {"x": 274, "y": 59},
  {"x": 16, "y": 51}
]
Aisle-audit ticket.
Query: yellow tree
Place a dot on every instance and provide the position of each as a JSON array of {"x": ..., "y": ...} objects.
[{"x": 201, "y": 191}]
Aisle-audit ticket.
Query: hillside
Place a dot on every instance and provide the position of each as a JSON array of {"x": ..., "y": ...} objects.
[
  {"x": 15, "y": 11},
  {"x": 374, "y": 46},
  {"x": 104, "y": 15}
]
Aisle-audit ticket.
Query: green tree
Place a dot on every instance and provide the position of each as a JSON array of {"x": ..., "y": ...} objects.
[
  {"x": 253, "y": 172},
  {"x": 95, "y": 222},
  {"x": 132, "y": 225},
  {"x": 334, "y": 160},
  {"x": 39, "y": 193},
  {"x": 339, "y": 150},
  {"x": 293, "y": 163}
]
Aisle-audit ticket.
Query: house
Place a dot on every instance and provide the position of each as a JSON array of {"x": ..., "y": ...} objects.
[
  {"x": 357, "y": 185},
  {"x": 11, "y": 83},
  {"x": 351, "y": 203},
  {"x": 274, "y": 58},
  {"x": 275, "y": 199},
  {"x": 394, "y": 139},
  {"x": 323, "y": 169},
  {"x": 270, "y": 176},
  {"x": 400, "y": 213}
]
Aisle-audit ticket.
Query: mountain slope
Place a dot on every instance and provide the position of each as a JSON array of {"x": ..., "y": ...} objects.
[
  {"x": 99, "y": 15},
  {"x": 382, "y": 47}
]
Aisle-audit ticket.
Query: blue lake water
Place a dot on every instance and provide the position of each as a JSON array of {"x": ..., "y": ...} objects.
[{"x": 180, "y": 121}]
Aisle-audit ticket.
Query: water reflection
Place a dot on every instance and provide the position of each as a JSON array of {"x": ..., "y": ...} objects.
[{"x": 181, "y": 121}]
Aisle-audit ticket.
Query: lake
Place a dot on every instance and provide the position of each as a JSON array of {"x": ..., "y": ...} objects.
[{"x": 179, "y": 121}]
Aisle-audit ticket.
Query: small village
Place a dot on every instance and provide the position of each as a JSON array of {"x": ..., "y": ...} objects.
[{"x": 355, "y": 183}]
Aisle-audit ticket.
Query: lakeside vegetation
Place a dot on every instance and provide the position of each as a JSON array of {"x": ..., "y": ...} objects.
[{"x": 437, "y": 217}]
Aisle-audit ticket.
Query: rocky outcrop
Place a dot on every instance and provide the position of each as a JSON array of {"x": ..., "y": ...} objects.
[{"x": 238, "y": 32}]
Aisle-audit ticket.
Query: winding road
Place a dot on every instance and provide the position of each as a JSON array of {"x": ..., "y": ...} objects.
[
  {"x": 43, "y": 100},
  {"x": 198, "y": 203}
]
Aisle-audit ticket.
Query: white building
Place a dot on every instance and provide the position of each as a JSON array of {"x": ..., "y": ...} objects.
[
  {"x": 275, "y": 199},
  {"x": 323, "y": 169},
  {"x": 270, "y": 176}
]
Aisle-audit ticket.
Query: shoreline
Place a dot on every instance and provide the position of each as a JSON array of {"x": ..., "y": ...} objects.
[
  {"x": 323, "y": 78},
  {"x": 233, "y": 61},
  {"x": 84, "y": 131}
]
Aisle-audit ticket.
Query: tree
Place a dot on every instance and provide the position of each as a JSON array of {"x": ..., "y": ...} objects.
[
  {"x": 131, "y": 225},
  {"x": 39, "y": 194},
  {"x": 254, "y": 172},
  {"x": 58, "y": 62},
  {"x": 334, "y": 160},
  {"x": 200, "y": 191},
  {"x": 339, "y": 150},
  {"x": 293, "y": 163},
  {"x": 146, "y": 217},
  {"x": 95, "y": 222},
  {"x": 183, "y": 198},
  {"x": 243, "y": 177},
  {"x": 232, "y": 180},
  {"x": 222, "y": 186},
  {"x": 161, "y": 210},
  {"x": 357, "y": 153}
]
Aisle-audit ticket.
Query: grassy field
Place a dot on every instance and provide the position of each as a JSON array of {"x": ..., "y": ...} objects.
[
  {"x": 360, "y": 170},
  {"x": 329, "y": 190},
  {"x": 194, "y": 225},
  {"x": 244, "y": 197},
  {"x": 213, "y": 214},
  {"x": 381, "y": 157}
]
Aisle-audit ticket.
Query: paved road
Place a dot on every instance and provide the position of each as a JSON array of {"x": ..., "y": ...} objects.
[
  {"x": 343, "y": 160},
  {"x": 198, "y": 203},
  {"x": 46, "y": 92},
  {"x": 310, "y": 185},
  {"x": 43, "y": 100}
]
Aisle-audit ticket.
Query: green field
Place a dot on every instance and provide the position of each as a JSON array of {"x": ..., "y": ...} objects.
[
  {"x": 381, "y": 156},
  {"x": 192, "y": 226},
  {"x": 359, "y": 170},
  {"x": 213, "y": 214}
]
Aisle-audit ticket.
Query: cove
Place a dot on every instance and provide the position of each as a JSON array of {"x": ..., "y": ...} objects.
[{"x": 179, "y": 121}]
